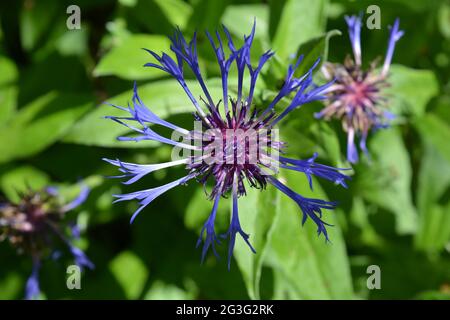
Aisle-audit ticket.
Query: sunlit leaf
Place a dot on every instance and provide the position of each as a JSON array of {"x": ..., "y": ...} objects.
[
  {"x": 411, "y": 90},
  {"x": 127, "y": 59},
  {"x": 40, "y": 124},
  {"x": 300, "y": 21},
  {"x": 130, "y": 272},
  {"x": 239, "y": 19},
  {"x": 314, "y": 49},
  {"x": 177, "y": 11},
  {"x": 14, "y": 181},
  {"x": 386, "y": 181},
  {"x": 437, "y": 132},
  {"x": 433, "y": 205},
  {"x": 8, "y": 91},
  {"x": 166, "y": 291},
  {"x": 35, "y": 21},
  {"x": 206, "y": 14}
]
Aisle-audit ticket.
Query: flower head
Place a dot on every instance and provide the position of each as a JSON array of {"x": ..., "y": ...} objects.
[
  {"x": 357, "y": 97},
  {"x": 35, "y": 225},
  {"x": 239, "y": 147}
]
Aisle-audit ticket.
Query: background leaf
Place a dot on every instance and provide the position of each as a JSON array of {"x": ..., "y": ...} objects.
[
  {"x": 19, "y": 180},
  {"x": 131, "y": 47},
  {"x": 130, "y": 273},
  {"x": 411, "y": 90},
  {"x": 432, "y": 202},
  {"x": 387, "y": 182},
  {"x": 40, "y": 124},
  {"x": 300, "y": 21}
]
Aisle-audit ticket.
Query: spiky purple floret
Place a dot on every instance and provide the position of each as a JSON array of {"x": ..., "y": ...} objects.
[
  {"x": 80, "y": 257},
  {"x": 207, "y": 234},
  {"x": 224, "y": 64},
  {"x": 239, "y": 114},
  {"x": 32, "y": 289},
  {"x": 303, "y": 96},
  {"x": 309, "y": 167},
  {"x": 394, "y": 36},
  {"x": 145, "y": 197},
  {"x": 254, "y": 73},
  {"x": 167, "y": 64},
  {"x": 137, "y": 171},
  {"x": 311, "y": 208},
  {"x": 235, "y": 228},
  {"x": 80, "y": 199},
  {"x": 75, "y": 230},
  {"x": 354, "y": 30}
]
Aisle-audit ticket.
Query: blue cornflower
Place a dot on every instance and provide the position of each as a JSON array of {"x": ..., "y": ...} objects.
[
  {"x": 357, "y": 97},
  {"x": 36, "y": 224},
  {"x": 240, "y": 147}
]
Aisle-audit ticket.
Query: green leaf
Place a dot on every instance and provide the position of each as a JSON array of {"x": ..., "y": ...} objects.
[
  {"x": 73, "y": 42},
  {"x": 307, "y": 266},
  {"x": 8, "y": 103},
  {"x": 206, "y": 14},
  {"x": 130, "y": 272},
  {"x": 434, "y": 180},
  {"x": 441, "y": 108},
  {"x": 444, "y": 19},
  {"x": 327, "y": 138},
  {"x": 176, "y": 11},
  {"x": 165, "y": 98},
  {"x": 359, "y": 216},
  {"x": 128, "y": 3},
  {"x": 11, "y": 284},
  {"x": 8, "y": 91},
  {"x": 36, "y": 20},
  {"x": 436, "y": 131},
  {"x": 14, "y": 181},
  {"x": 411, "y": 90},
  {"x": 9, "y": 72},
  {"x": 257, "y": 213},
  {"x": 127, "y": 59},
  {"x": 300, "y": 21},
  {"x": 387, "y": 180},
  {"x": 162, "y": 16},
  {"x": 434, "y": 226},
  {"x": 313, "y": 49},
  {"x": 40, "y": 124},
  {"x": 420, "y": 6},
  {"x": 166, "y": 291},
  {"x": 197, "y": 210},
  {"x": 239, "y": 20}
]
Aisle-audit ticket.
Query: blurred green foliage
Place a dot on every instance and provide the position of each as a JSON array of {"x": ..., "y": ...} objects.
[{"x": 395, "y": 214}]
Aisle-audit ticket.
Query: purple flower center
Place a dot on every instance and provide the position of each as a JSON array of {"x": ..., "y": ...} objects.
[{"x": 235, "y": 146}]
